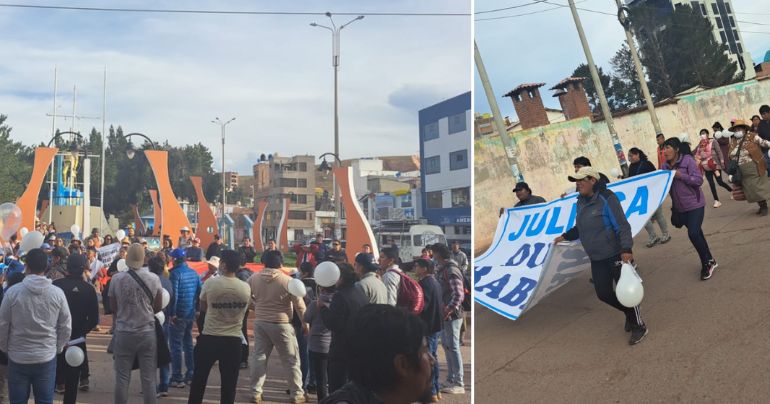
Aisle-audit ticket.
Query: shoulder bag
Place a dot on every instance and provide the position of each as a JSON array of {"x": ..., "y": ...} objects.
[{"x": 733, "y": 167}]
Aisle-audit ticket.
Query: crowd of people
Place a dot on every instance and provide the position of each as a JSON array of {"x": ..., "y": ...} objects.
[{"x": 156, "y": 300}]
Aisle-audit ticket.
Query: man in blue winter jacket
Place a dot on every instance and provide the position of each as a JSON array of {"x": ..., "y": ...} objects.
[{"x": 187, "y": 288}]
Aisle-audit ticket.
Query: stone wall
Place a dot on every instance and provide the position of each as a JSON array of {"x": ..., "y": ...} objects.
[{"x": 545, "y": 153}]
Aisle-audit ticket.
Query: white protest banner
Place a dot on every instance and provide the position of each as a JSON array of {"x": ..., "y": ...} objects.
[
  {"x": 523, "y": 266},
  {"x": 107, "y": 253}
]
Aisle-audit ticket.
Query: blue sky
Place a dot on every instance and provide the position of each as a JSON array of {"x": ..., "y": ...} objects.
[
  {"x": 544, "y": 47},
  {"x": 169, "y": 75}
]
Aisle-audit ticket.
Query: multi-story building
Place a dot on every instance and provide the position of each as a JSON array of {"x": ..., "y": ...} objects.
[
  {"x": 723, "y": 21},
  {"x": 445, "y": 177}
]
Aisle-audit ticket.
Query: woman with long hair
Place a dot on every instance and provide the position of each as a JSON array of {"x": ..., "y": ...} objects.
[
  {"x": 709, "y": 157},
  {"x": 688, "y": 201},
  {"x": 746, "y": 150},
  {"x": 755, "y": 120},
  {"x": 640, "y": 164}
]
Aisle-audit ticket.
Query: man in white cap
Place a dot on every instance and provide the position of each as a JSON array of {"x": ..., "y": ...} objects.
[
  {"x": 185, "y": 237},
  {"x": 134, "y": 335}
]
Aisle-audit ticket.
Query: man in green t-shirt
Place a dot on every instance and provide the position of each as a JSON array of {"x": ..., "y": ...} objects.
[{"x": 224, "y": 300}]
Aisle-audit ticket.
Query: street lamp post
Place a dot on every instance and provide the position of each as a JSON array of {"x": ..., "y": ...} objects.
[
  {"x": 222, "y": 125},
  {"x": 336, "y": 66},
  {"x": 325, "y": 168}
]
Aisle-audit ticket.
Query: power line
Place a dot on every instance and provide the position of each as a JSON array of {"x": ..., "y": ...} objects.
[
  {"x": 517, "y": 15},
  {"x": 509, "y": 8},
  {"x": 227, "y": 12},
  {"x": 752, "y": 22},
  {"x": 557, "y": 6}
]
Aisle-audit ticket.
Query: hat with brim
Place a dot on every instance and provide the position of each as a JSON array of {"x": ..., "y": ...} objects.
[
  {"x": 521, "y": 185},
  {"x": 584, "y": 172},
  {"x": 213, "y": 261},
  {"x": 740, "y": 123}
]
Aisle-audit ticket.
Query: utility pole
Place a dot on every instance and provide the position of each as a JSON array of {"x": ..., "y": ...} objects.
[
  {"x": 600, "y": 91},
  {"x": 222, "y": 126},
  {"x": 625, "y": 21},
  {"x": 508, "y": 143}
]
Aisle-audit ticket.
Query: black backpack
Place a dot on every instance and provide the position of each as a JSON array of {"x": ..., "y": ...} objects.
[{"x": 467, "y": 293}]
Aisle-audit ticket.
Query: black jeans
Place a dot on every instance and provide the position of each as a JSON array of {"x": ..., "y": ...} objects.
[
  {"x": 71, "y": 376},
  {"x": 693, "y": 220},
  {"x": 320, "y": 363},
  {"x": 605, "y": 273},
  {"x": 710, "y": 175},
  {"x": 338, "y": 374},
  {"x": 226, "y": 350},
  {"x": 245, "y": 331}
]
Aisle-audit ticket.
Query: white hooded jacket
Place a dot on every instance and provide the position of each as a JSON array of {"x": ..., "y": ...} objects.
[{"x": 35, "y": 322}]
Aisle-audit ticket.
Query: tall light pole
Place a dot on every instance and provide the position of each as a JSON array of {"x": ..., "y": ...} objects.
[
  {"x": 336, "y": 65},
  {"x": 600, "y": 91},
  {"x": 222, "y": 126}
]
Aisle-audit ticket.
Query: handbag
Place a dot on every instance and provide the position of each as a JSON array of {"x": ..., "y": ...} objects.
[
  {"x": 677, "y": 219},
  {"x": 733, "y": 168},
  {"x": 163, "y": 353}
]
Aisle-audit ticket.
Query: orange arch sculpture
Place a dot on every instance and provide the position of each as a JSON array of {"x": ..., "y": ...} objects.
[
  {"x": 206, "y": 218},
  {"x": 359, "y": 232},
  {"x": 172, "y": 217},
  {"x": 27, "y": 202},
  {"x": 155, "y": 212},
  {"x": 256, "y": 230},
  {"x": 283, "y": 226}
]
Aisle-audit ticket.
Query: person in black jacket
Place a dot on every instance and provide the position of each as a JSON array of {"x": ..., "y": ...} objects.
[
  {"x": 215, "y": 248},
  {"x": 432, "y": 316},
  {"x": 84, "y": 309},
  {"x": 641, "y": 165},
  {"x": 346, "y": 302}
]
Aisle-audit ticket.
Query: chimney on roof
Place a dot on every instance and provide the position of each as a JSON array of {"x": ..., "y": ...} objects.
[
  {"x": 572, "y": 97},
  {"x": 529, "y": 106}
]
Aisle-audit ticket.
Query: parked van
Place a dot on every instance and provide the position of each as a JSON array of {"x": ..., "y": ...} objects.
[{"x": 409, "y": 238}]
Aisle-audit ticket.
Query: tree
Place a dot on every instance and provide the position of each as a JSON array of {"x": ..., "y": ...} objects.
[
  {"x": 593, "y": 96},
  {"x": 16, "y": 167},
  {"x": 626, "y": 87}
]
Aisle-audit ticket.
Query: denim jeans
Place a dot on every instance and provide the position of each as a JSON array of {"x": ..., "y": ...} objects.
[
  {"x": 450, "y": 339},
  {"x": 181, "y": 341},
  {"x": 40, "y": 376},
  {"x": 304, "y": 363},
  {"x": 433, "y": 349},
  {"x": 165, "y": 371}
]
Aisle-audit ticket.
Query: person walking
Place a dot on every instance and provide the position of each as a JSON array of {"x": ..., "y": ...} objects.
[
  {"x": 368, "y": 282},
  {"x": 273, "y": 308},
  {"x": 224, "y": 299},
  {"x": 746, "y": 151},
  {"x": 433, "y": 317},
  {"x": 606, "y": 236},
  {"x": 763, "y": 130},
  {"x": 640, "y": 164},
  {"x": 319, "y": 340},
  {"x": 710, "y": 159},
  {"x": 660, "y": 139},
  {"x": 452, "y": 293},
  {"x": 688, "y": 201},
  {"x": 336, "y": 315},
  {"x": 134, "y": 337},
  {"x": 187, "y": 288},
  {"x": 84, "y": 311},
  {"x": 157, "y": 265},
  {"x": 35, "y": 325},
  {"x": 389, "y": 273}
]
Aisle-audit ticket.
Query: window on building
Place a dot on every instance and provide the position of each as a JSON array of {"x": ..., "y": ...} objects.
[
  {"x": 458, "y": 160},
  {"x": 430, "y": 131},
  {"x": 303, "y": 167},
  {"x": 297, "y": 215},
  {"x": 433, "y": 165},
  {"x": 719, "y": 22},
  {"x": 740, "y": 48},
  {"x": 735, "y": 34},
  {"x": 732, "y": 23},
  {"x": 727, "y": 8},
  {"x": 702, "y": 9},
  {"x": 287, "y": 182},
  {"x": 722, "y": 34},
  {"x": 302, "y": 183},
  {"x": 434, "y": 200},
  {"x": 457, "y": 123},
  {"x": 461, "y": 197},
  {"x": 714, "y": 8}
]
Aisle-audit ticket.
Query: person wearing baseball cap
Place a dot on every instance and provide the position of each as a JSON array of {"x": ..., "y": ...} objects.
[
  {"x": 606, "y": 236},
  {"x": 524, "y": 194},
  {"x": 194, "y": 252},
  {"x": 368, "y": 282},
  {"x": 187, "y": 288},
  {"x": 185, "y": 237}
]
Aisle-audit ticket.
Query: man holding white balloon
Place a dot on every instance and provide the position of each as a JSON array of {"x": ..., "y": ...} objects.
[
  {"x": 84, "y": 310},
  {"x": 606, "y": 236}
]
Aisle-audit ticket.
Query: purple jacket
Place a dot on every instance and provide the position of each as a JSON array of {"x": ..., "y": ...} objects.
[{"x": 686, "y": 192}]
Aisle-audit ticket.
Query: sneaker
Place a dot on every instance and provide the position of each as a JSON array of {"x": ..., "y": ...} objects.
[
  {"x": 637, "y": 334},
  {"x": 651, "y": 243},
  {"x": 257, "y": 399},
  {"x": 298, "y": 399},
  {"x": 708, "y": 270},
  {"x": 59, "y": 388},
  {"x": 179, "y": 385},
  {"x": 161, "y": 394},
  {"x": 665, "y": 238},
  {"x": 717, "y": 204},
  {"x": 453, "y": 390},
  {"x": 84, "y": 385}
]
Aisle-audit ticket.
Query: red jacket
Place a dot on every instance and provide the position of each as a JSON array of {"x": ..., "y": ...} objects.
[
  {"x": 305, "y": 256},
  {"x": 661, "y": 158}
]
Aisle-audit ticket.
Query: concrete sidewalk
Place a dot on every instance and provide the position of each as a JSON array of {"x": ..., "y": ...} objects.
[{"x": 708, "y": 340}]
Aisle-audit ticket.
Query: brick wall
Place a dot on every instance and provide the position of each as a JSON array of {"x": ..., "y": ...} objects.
[{"x": 529, "y": 108}]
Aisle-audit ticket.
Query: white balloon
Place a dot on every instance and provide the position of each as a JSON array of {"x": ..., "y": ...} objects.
[
  {"x": 615, "y": 172},
  {"x": 161, "y": 317},
  {"x": 120, "y": 234},
  {"x": 32, "y": 240},
  {"x": 122, "y": 267},
  {"x": 75, "y": 230},
  {"x": 326, "y": 274},
  {"x": 23, "y": 231},
  {"x": 166, "y": 298},
  {"x": 718, "y": 134},
  {"x": 74, "y": 356},
  {"x": 297, "y": 288},
  {"x": 629, "y": 289}
]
